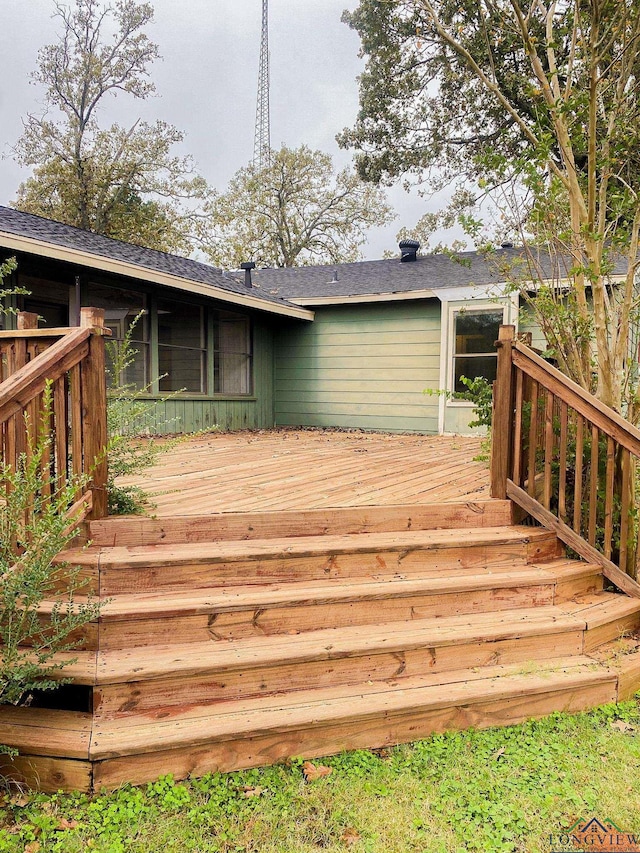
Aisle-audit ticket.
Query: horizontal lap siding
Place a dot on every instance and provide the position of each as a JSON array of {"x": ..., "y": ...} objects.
[
  {"x": 184, "y": 414},
  {"x": 363, "y": 366}
]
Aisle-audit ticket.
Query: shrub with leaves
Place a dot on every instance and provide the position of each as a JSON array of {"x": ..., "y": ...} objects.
[{"x": 39, "y": 617}]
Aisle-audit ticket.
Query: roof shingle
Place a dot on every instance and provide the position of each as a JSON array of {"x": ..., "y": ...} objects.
[{"x": 67, "y": 236}]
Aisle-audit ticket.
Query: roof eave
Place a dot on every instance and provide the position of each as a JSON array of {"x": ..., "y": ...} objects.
[
  {"x": 363, "y": 297},
  {"x": 43, "y": 248}
]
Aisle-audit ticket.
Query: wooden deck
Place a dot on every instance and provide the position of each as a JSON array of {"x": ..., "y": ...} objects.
[
  {"x": 309, "y": 469},
  {"x": 300, "y": 593}
]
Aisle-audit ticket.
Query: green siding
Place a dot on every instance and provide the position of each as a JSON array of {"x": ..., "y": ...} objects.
[
  {"x": 190, "y": 414},
  {"x": 364, "y": 366}
]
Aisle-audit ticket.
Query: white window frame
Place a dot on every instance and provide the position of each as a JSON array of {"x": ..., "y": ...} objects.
[{"x": 467, "y": 308}]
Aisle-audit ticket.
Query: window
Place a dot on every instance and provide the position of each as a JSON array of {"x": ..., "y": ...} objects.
[
  {"x": 232, "y": 354},
  {"x": 121, "y": 307},
  {"x": 474, "y": 354},
  {"x": 182, "y": 352}
]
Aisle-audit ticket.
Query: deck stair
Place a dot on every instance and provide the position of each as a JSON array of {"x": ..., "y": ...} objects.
[{"x": 243, "y": 639}]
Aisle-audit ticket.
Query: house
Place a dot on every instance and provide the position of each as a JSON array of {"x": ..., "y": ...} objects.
[
  {"x": 388, "y": 598},
  {"x": 359, "y": 345}
]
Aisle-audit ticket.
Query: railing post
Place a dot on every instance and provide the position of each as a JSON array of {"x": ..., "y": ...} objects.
[
  {"x": 502, "y": 424},
  {"x": 27, "y": 320},
  {"x": 94, "y": 410}
]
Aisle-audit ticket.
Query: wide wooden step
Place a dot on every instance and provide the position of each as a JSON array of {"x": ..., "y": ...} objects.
[
  {"x": 154, "y": 567},
  {"x": 329, "y": 720},
  {"x": 136, "y": 530},
  {"x": 622, "y": 655},
  {"x": 165, "y": 679},
  {"x": 234, "y": 612},
  {"x": 188, "y": 710},
  {"x": 314, "y": 722},
  {"x": 607, "y": 616}
]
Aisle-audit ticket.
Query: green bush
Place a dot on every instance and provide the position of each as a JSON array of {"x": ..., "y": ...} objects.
[{"x": 34, "y": 528}]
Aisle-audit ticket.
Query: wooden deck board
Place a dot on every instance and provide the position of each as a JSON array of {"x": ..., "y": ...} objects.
[{"x": 305, "y": 469}]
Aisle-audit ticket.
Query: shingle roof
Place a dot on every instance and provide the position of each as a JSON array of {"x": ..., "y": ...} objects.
[
  {"x": 389, "y": 276},
  {"x": 67, "y": 236}
]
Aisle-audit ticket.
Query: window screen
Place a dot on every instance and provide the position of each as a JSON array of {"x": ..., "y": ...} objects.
[
  {"x": 181, "y": 347},
  {"x": 232, "y": 365}
]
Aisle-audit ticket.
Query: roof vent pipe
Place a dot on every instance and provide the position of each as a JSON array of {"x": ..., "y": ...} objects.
[
  {"x": 408, "y": 250},
  {"x": 247, "y": 266}
]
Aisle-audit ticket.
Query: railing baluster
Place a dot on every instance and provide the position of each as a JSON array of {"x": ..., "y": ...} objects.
[
  {"x": 562, "y": 473},
  {"x": 608, "y": 497},
  {"x": 60, "y": 421},
  {"x": 625, "y": 508},
  {"x": 76, "y": 422},
  {"x": 517, "y": 430},
  {"x": 577, "y": 486},
  {"x": 593, "y": 485},
  {"x": 548, "y": 450},
  {"x": 45, "y": 427},
  {"x": 533, "y": 441}
]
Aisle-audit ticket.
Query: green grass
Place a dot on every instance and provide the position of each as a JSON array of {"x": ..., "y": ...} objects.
[{"x": 502, "y": 789}]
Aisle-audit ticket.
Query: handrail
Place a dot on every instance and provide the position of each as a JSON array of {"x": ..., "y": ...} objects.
[
  {"x": 29, "y": 381},
  {"x": 72, "y": 362},
  {"x": 566, "y": 459},
  {"x": 574, "y": 395}
]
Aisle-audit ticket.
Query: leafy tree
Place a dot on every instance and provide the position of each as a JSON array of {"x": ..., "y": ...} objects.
[
  {"x": 296, "y": 211},
  {"x": 122, "y": 182},
  {"x": 538, "y": 100}
]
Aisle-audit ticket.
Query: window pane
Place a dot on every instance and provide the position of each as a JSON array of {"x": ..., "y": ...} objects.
[
  {"x": 135, "y": 371},
  {"x": 472, "y": 368},
  {"x": 181, "y": 350},
  {"x": 183, "y": 367},
  {"x": 52, "y": 315},
  {"x": 477, "y": 332},
  {"x": 121, "y": 308}
]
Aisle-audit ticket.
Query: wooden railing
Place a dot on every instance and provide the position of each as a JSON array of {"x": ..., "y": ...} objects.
[
  {"x": 72, "y": 362},
  {"x": 566, "y": 459}
]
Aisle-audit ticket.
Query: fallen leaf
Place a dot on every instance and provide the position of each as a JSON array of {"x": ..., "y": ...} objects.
[
  {"x": 251, "y": 791},
  {"x": 311, "y": 772},
  {"x": 20, "y": 800},
  {"x": 32, "y": 847},
  {"x": 350, "y": 836},
  {"x": 382, "y": 752},
  {"x": 64, "y": 823},
  {"x": 621, "y": 726},
  {"x": 497, "y": 754}
]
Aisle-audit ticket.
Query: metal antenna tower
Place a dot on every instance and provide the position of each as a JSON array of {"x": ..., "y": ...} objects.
[{"x": 262, "y": 137}]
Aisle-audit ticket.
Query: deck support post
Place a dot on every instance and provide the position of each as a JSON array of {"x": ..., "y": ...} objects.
[
  {"x": 94, "y": 411},
  {"x": 502, "y": 425}
]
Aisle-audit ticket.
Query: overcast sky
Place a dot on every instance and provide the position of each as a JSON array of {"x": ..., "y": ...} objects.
[{"x": 207, "y": 80}]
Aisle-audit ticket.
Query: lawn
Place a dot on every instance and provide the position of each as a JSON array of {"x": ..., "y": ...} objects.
[{"x": 506, "y": 789}]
